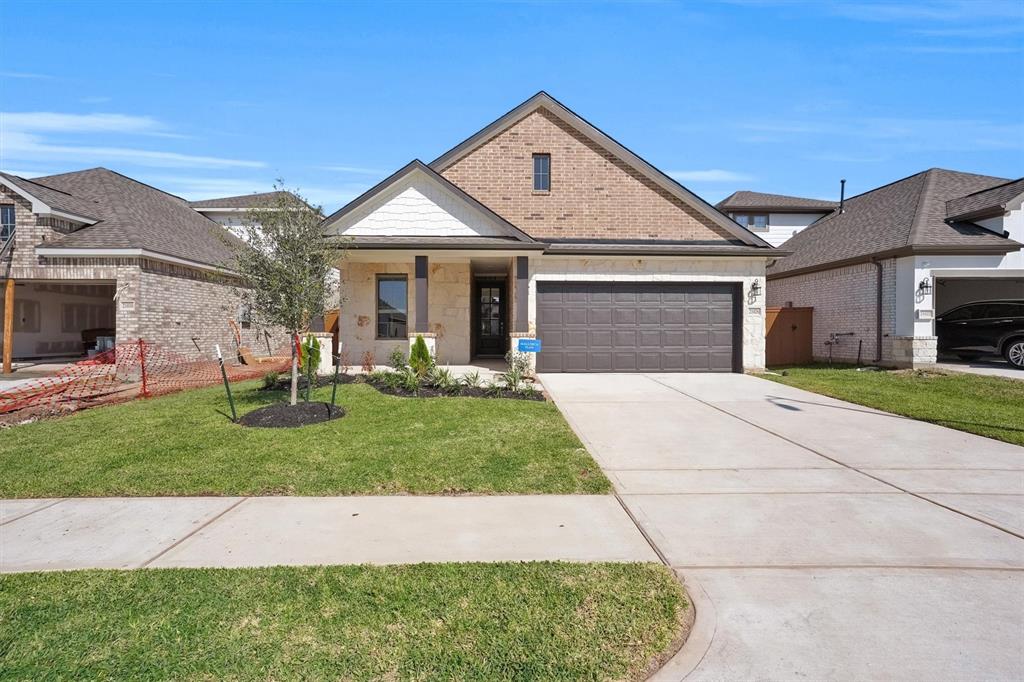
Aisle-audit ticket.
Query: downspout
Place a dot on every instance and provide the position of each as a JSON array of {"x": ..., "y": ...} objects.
[{"x": 878, "y": 310}]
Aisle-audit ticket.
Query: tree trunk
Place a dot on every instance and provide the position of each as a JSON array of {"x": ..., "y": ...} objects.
[{"x": 295, "y": 374}]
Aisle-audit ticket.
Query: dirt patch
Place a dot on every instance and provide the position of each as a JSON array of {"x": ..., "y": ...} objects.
[{"x": 283, "y": 415}]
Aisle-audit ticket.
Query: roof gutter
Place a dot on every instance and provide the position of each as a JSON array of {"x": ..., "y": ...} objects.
[
  {"x": 61, "y": 252},
  {"x": 937, "y": 250}
]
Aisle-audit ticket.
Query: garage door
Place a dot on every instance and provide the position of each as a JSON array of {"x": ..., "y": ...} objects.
[{"x": 637, "y": 327}]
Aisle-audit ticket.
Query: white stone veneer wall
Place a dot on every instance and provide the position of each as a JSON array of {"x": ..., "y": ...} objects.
[
  {"x": 448, "y": 289},
  {"x": 744, "y": 270}
]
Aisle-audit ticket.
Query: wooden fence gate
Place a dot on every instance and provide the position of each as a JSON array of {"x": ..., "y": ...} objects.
[{"x": 788, "y": 336}]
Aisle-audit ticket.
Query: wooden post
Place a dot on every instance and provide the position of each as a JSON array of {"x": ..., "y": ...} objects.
[{"x": 8, "y": 325}]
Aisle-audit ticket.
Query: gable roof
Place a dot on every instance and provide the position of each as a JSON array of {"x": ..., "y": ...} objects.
[
  {"x": 254, "y": 200},
  {"x": 133, "y": 215},
  {"x": 986, "y": 203},
  {"x": 543, "y": 100},
  {"x": 904, "y": 217},
  {"x": 48, "y": 200},
  {"x": 744, "y": 199},
  {"x": 514, "y": 233}
]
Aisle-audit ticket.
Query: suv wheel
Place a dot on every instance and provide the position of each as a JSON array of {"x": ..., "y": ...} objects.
[{"x": 1014, "y": 352}]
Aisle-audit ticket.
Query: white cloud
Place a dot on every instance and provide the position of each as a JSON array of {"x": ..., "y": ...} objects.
[
  {"x": 711, "y": 175},
  {"x": 359, "y": 170},
  {"x": 22, "y": 74},
  {"x": 24, "y": 137}
]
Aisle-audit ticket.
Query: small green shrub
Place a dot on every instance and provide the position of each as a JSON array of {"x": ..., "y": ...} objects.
[
  {"x": 512, "y": 379},
  {"x": 443, "y": 380},
  {"x": 494, "y": 388},
  {"x": 527, "y": 390},
  {"x": 270, "y": 380},
  {"x": 397, "y": 359},
  {"x": 408, "y": 380},
  {"x": 420, "y": 359},
  {"x": 378, "y": 376},
  {"x": 472, "y": 380}
]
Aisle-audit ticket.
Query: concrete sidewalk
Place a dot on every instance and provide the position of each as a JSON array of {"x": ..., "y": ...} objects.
[{"x": 43, "y": 535}]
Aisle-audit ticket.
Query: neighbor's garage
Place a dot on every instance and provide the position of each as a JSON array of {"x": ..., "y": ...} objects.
[
  {"x": 951, "y": 292},
  {"x": 639, "y": 327}
]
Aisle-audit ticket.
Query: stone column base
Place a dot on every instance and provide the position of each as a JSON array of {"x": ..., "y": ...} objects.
[
  {"x": 514, "y": 343},
  {"x": 914, "y": 351},
  {"x": 430, "y": 338}
]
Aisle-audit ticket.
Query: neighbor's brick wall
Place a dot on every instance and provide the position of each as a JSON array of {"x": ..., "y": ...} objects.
[
  {"x": 593, "y": 194},
  {"x": 844, "y": 300},
  {"x": 30, "y": 230}
]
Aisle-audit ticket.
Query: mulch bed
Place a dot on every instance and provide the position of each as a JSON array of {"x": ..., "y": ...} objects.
[
  {"x": 283, "y": 415},
  {"x": 464, "y": 392}
]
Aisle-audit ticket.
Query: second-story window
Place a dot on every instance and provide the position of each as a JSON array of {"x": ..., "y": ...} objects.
[
  {"x": 6, "y": 222},
  {"x": 752, "y": 221},
  {"x": 541, "y": 172}
]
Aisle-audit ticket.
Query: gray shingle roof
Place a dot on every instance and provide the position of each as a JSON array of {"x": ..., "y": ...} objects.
[
  {"x": 55, "y": 199},
  {"x": 986, "y": 201},
  {"x": 906, "y": 214},
  {"x": 134, "y": 215},
  {"x": 241, "y": 201},
  {"x": 744, "y": 199}
]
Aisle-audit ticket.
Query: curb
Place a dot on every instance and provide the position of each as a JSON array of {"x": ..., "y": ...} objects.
[{"x": 698, "y": 643}]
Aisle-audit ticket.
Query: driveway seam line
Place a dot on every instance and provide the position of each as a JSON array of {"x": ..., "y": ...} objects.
[
  {"x": 841, "y": 463},
  {"x": 37, "y": 509},
  {"x": 167, "y": 549}
]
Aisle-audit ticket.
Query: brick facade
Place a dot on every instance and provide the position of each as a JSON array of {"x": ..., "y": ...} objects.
[
  {"x": 594, "y": 195},
  {"x": 845, "y": 305},
  {"x": 166, "y": 304}
]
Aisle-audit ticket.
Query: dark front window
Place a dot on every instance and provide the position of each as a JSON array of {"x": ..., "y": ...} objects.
[
  {"x": 6, "y": 222},
  {"x": 541, "y": 172},
  {"x": 392, "y": 306}
]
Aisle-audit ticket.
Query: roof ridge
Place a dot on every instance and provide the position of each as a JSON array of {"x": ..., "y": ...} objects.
[
  {"x": 919, "y": 214},
  {"x": 40, "y": 184},
  {"x": 989, "y": 189}
]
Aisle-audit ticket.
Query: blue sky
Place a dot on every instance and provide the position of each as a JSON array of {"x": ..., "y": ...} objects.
[{"x": 214, "y": 98}]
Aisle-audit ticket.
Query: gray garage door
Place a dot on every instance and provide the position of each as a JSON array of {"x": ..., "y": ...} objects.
[{"x": 636, "y": 327}]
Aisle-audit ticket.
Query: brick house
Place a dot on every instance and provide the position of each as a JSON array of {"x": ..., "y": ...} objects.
[
  {"x": 774, "y": 217},
  {"x": 880, "y": 271},
  {"x": 93, "y": 254},
  {"x": 542, "y": 226}
]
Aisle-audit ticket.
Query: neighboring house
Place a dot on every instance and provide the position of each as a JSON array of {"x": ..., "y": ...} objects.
[
  {"x": 541, "y": 225},
  {"x": 231, "y": 212},
  {"x": 774, "y": 217},
  {"x": 879, "y": 272},
  {"x": 94, "y": 254}
]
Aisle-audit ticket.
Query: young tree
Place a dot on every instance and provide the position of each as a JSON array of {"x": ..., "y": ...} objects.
[{"x": 287, "y": 266}]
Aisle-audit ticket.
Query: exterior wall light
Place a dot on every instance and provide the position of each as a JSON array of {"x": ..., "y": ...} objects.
[
  {"x": 924, "y": 287},
  {"x": 755, "y": 289}
]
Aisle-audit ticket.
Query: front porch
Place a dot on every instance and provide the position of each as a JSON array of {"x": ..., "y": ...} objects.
[{"x": 468, "y": 307}]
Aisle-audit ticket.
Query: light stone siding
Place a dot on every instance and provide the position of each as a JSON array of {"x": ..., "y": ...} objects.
[
  {"x": 845, "y": 304},
  {"x": 744, "y": 271},
  {"x": 914, "y": 351},
  {"x": 449, "y": 287}
]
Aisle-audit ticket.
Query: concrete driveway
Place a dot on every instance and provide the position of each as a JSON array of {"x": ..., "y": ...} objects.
[{"x": 819, "y": 539}]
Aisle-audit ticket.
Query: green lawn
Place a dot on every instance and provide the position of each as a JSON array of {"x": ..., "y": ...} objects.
[
  {"x": 528, "y": 621},
  {"x": 183, "y": 444},
  {"x": 987, "y": 406}
]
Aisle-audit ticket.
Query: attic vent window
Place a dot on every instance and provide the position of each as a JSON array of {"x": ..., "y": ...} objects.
[{"x": 541, "y": 172}]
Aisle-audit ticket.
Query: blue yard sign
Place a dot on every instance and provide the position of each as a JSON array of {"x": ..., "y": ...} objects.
[{"x": 529, "y": 345}]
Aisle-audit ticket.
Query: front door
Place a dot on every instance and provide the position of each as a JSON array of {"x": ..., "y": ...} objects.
[{"x": 490, "y": 318}]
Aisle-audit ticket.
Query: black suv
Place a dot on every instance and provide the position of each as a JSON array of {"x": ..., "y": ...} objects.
[{"x": 984, "y": 327}]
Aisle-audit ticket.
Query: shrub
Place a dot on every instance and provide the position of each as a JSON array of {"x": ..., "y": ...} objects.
[
  {"x": 378, "y": 376},
  {"x": 512, "y": 379},
  {"x": 397, "y": 358},
  {"x": 344, "y": 361},
  {"x": 419, "y": 357},
  {"x": 472, "y": 380},
  {"x": 443, "y": 380},
  {"x": 527, "y": 390},
  {"x": 368, "y": 364},
  {"x": 494, "y": 389},
  {"x": 408, "y": 380},
  {"x": 270, "y": 380}
]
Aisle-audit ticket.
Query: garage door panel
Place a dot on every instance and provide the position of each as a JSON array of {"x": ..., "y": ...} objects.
[
  {"x": 635, "y": 327},
  {"x": 599, "y": 316}
]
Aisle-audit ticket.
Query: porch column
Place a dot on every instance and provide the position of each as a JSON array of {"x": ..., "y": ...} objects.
[
  {"x": 422, "y": 325},
  {"x": 8, "y": 325},
  {"x": 521, "y": 325}
]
